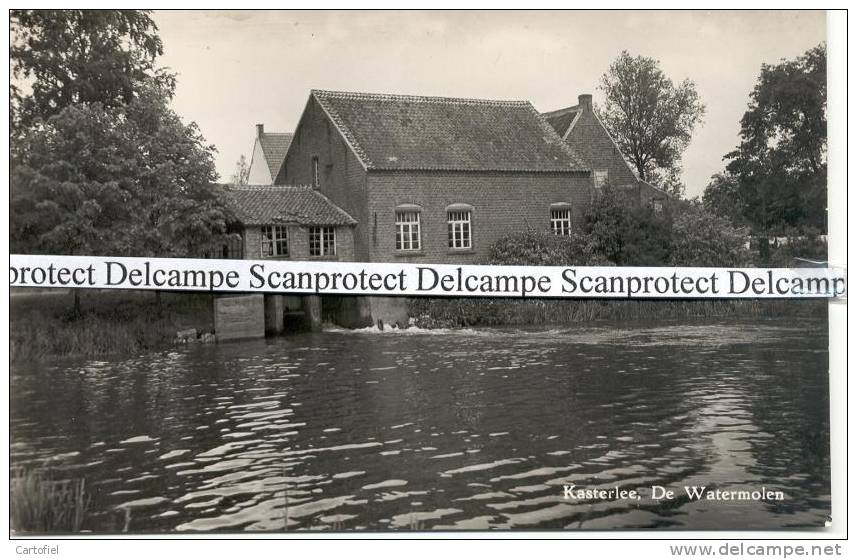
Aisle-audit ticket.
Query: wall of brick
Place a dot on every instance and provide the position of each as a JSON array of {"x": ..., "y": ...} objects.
[
  {"x": 593, "y": 143},
  {"x": 648, "y": 193},
  {"x": 502, "y": 203},
  {"x": 342, "y": 176},
  {"x": 299, "y": 244}
]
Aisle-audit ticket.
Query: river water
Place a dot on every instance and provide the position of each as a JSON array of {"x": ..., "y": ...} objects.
[{"x": 466, "y": 429}]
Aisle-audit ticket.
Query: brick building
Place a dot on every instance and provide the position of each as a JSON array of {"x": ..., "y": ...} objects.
[
  {"x": 584, "y": 131},
  {"x": 290, "y": 223},
  {"x": 435, "y": 179},
  {"x": 423, "y": 179}
]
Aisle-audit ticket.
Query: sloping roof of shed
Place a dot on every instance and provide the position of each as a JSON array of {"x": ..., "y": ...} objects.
[
  {"x": 275, "y": 145},
  {"x": 265, "y": 205},
  {"x": 404, "y": 132}
]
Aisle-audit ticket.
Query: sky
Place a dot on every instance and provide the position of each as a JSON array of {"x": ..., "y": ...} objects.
[{"x": 236, "y": 69}]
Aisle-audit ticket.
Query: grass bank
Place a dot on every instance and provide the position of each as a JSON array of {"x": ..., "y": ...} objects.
[
  {"x": 446, "y": 313},
  {"x": 43, "y": 323}
]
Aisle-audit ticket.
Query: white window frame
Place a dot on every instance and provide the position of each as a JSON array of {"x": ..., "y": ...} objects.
[
  {"x": 600, "y": 178},
  {"x": 459, "y": 229},
  {"x": 408, "y": 234},
  {"x": 561, "y": 221},
  {"x": 272, "y": 240},
  {"x": 322, "y": 240}
]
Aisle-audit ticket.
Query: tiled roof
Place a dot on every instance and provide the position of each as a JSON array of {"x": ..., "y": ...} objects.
[
  {"x": 265, "y": 205},
  {"x": 560, "y": 120},
  {"x": 403, "y": 132},
  {"x": 275, "y": 145}
]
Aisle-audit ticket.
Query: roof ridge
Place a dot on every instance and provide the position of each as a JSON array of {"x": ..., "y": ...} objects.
[
  {"x": 278, "y": 133},
  {"x": 420, "y": 98},
  {"x": 251, "y": 187},
  {"x": 269, "y": 204}
]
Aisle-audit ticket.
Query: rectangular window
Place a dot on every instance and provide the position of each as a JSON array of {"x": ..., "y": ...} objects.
[
  {"x": 322, "y": 241},
  {"x": 459, "y": 229},
  {"x": 408, "y": 230},
  {"x": 315, "y": 179},
  {"x": 275, "y": 241},
  {"x": 657, "y": 206},
  {"x": 561, "y": 222},
  {"x": 600, "y": 178}
]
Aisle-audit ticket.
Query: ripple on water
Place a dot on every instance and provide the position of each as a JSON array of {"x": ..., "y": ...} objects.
[
  {"x": 466, "y": 444},
  {"x": 387, "y": 483}
]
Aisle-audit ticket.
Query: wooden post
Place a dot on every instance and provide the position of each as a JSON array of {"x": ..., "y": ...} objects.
[{"x": 312, "y": 311}]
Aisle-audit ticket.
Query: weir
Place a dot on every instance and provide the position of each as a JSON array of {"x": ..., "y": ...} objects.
[{"x": 258, "y": 315}]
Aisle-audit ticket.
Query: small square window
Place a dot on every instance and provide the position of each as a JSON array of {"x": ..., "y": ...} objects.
[
  {"x": 275, "y": 241},
  {"x": 561, "y": 221},
  {"x": 322, "y": 241},
  {"x": 600, "y": 177}
]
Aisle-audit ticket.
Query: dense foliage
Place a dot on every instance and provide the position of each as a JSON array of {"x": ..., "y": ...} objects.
[
  {"x": 700, "y": 238},
  {"x": 614, "y": 232},
  {"x": 776, "y": 179},
  {"x": 100, "y": 163},
  {"x": 61, "y": 58}
]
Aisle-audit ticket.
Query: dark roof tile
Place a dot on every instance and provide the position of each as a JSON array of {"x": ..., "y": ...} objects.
[
  {"x": 301, "y": 205},
  {"x": 404, "y": 132},
  {"x": 275, "y": 145}
]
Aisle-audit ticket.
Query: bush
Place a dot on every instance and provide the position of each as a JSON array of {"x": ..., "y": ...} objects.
[
  {"x": 792, "y": 251},
  {"x": 613, "y": 233},
  {"x": 700, "y": 238},
  {"x": 543, "y": 248}
]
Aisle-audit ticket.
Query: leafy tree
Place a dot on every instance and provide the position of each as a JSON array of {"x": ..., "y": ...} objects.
[
  {"x": 242, "y": 172},
  {"x": 99, "y": 163},
  {"x": 65, "y": 57},
  {"x": 127, "y": 180},
  {"x": 606, "y": 221},
  {"x": 700, "y": 238},
  {"x": 721, "y": 197},
  {"x": 669, "y": 180},
  {"x": 651, "y": 118},
  {"x": 648, "y": 237},
  {"x": 627, "y": 234},
  {"x": 780, "y": 164}
]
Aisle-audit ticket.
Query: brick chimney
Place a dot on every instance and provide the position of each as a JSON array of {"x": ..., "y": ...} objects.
[
  {"x": 260, "y": 129},
  {"x": 584, "y": 101}
]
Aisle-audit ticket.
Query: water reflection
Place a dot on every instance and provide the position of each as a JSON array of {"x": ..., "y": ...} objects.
[{"x": 474, "y": 429}]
